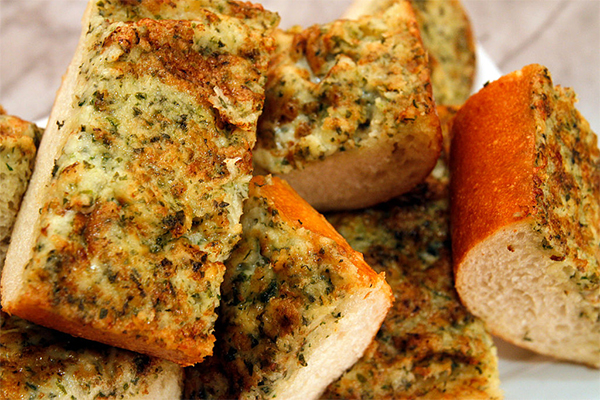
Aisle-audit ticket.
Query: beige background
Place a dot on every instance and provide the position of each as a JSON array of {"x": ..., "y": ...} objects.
[{"x": 38, "y": 37}]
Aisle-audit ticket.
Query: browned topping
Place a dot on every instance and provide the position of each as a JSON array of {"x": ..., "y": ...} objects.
[{"x": 42, "y": 363}]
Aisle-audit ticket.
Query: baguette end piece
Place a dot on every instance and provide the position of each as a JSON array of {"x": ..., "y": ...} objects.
[{"x": 525, "y": 215}]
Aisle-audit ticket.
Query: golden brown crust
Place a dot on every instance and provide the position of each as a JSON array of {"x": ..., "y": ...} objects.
[
  {"x": 498, "y": 110},
  {"x": 184, "y": 353}
]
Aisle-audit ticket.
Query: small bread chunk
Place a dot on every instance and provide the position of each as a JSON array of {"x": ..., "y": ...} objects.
[
  {"x": 448, "y": 38},
  {"x": 429, "y": 346},
  {"x": 526, "y": 215},
  {"x": 349, "y": 118},
  {"x": 40, "y": 363},
  {"x": 299, "y": 305},
  {"x": 136, "y": 196},
  {"x": 18, "y": 146}
]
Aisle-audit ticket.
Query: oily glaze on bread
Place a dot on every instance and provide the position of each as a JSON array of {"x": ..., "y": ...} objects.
[
  {"x": 429, "y": 346},
  {"x": 299, "y": 305},
  {"x": 349, "y": 118},
  {"x": 136, "y": 197},
  {"x": 526, "y": 215},
  {"x": 448, "y": 38}
]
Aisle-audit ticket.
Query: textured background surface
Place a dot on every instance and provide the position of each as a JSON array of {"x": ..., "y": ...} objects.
[{"x": 38, "y": 37}]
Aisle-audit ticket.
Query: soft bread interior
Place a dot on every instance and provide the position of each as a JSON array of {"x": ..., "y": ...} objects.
[
  {"x": 527, "y": 298},
  {"x": 337, "y": 345},
  {"x": 361, "y": 178}
]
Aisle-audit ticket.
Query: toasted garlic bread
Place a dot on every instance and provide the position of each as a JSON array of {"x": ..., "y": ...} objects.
[
  {"x": 429, "y": 346},
  {"x": 526, "y": 215},
  {"x": 448, "y": 38},
  {"x": 18, "y": 146},
  {"x": 40, "y": 363},
  {"x": 136, "y": 198},
  {"x": 349, "y": 119},
  {"x": 299, "y": 305}
]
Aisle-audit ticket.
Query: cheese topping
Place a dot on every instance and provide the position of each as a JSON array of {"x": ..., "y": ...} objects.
[{"x": 18, "y": 142}]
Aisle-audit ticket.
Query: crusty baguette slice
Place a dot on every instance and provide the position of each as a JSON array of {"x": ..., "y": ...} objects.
[
  {"x": 448, "y": 38},
  {"x": 429, "y": 346},
  {"x": 41, "y": 363},
  {"x": 526, "y": 215},
  {"x": 136, "y": 196},
  {"x": 299, "y": 305},
  {"x": 18, "y": 147},
  {"x": 349, "y": 118}
]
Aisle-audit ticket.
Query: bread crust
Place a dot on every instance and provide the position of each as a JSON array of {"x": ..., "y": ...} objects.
[{"x": 501, "y": 193}]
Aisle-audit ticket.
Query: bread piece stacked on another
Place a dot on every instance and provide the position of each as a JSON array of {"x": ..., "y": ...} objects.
[
  {"x": 136, "y": 196},
  {"x": 38, "y": 362},
  {"x": 448, "y": 38},
  {"x": 18, "y": 146},
  {"x": 299, "y": 305},
  {"x": 349, "y": 118},
  {"x": 429, "y": 346},
  {"x": 526, "y": 215}
]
